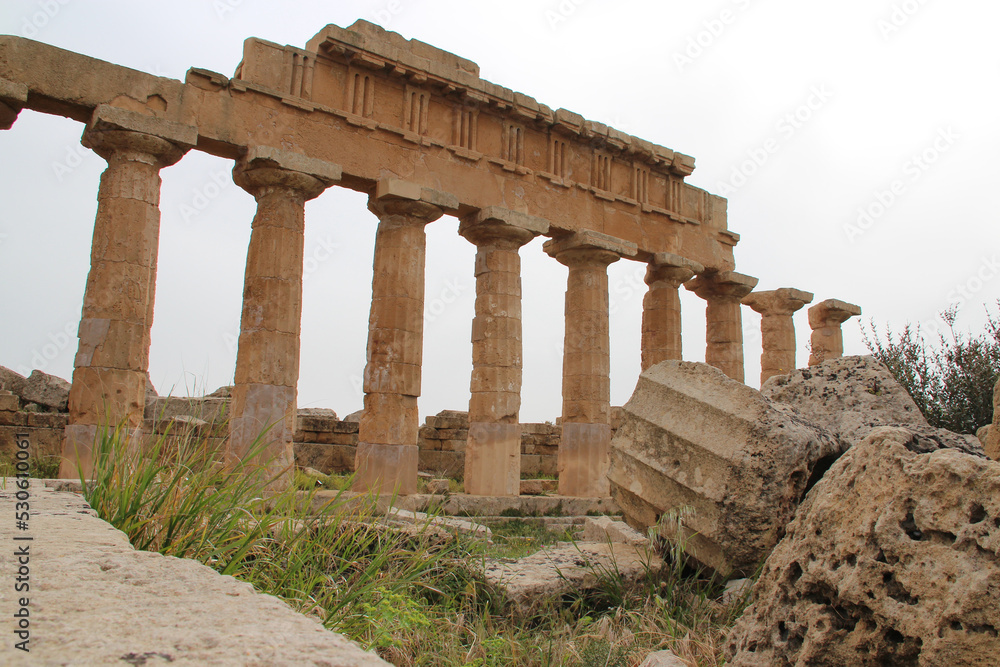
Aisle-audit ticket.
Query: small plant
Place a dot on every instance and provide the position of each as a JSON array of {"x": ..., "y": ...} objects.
[{"x": 951, "y": 380}]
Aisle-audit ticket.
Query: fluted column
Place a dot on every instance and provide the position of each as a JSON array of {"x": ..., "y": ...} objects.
[
  {"x": 661, "y": 307},
  {"x": 827, "y": 340},
  {"x": 493, "y": 452},
  {"x": 112, "y": 360},
  {"x": 586, "y": 430},
  {"x": 263, "y": 404},
  {"x": 387, "y": 456},
  {"x": 777, "y": 330},
  {"x": 13, "y": 97},
  {"x": 723, "y": 293}
]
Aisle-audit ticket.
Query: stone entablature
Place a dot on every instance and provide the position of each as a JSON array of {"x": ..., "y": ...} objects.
[{"x": 485, "y": 144}]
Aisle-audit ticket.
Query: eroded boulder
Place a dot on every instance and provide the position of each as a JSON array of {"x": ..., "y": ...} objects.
[
  {"x": 850, "y": 396},
  {"x": 46, "y": 390},
  {"x": 893, "y": 558},
  {"x": 692, "y": 438}
]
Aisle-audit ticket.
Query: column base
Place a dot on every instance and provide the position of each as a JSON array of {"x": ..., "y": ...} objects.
[
  {"x": 584, "y": 459},
  {"x": 78, "y": 451},
  {"x": 260, "y": 431},
  {"x": 493, "y": 460},
  {"x": 386, "y": 469}
]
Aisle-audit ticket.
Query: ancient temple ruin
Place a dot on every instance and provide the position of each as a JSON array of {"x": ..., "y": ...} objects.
[{"x": 423, "y": 135}]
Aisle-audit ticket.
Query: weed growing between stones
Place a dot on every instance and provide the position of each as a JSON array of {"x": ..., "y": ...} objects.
[
  {"x": 412, "y": 595},
  {"x": 41, "y": 467}
]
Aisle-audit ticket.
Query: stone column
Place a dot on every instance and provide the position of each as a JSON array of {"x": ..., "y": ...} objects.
[
  {"x": 493, "y": 452},
  {"x": 661, "y": 307},
  {"x": 723, "y": 293},
  {"x": 112, "y": 360},
  {"x": 387, "y": 456},
  {"x": 992, "y": 439},
  {"x": 825, "y": 318},
  {"x": 586, "y": 429},
  {"x": 263, "y": 403},
  {"x": 777, "y": 330},
  {"x": 13, "y": 97}
]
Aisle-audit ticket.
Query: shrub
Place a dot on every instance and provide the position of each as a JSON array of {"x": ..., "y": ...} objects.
[{"x": 951, "y": 380}]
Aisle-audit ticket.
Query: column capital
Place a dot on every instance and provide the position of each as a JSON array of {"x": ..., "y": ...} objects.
[
  {"x": 588, "y": 247},
  {"x": 13, "y": 97},
  {"x": 782, "y": 301},
  {"x": 395, "y": 196},
  {"x": 266, "y": 167},
  {"x": 670, "y": 268},
  {"x": 500, "y": 225},
  {"x": 831, "y": 313},
  {"x": 115, "y": 133},
  {"x": 727, "y": 285}
]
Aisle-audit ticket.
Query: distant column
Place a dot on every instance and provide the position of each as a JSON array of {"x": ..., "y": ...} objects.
[
  {"x": 493, "y": 452},
  {"x": 263, "y": 404},
  {"x": 586, "y": 430},
  {"x": 387, "y": 456},
  {"x": 661, "y": 307},
  {"x": 723, "y": 293},
  {"x": 777, "y": 330},
  {"x": 13, "y": 97},
  {"x": 112, "y": 360},
  {"x": 825, "y": 318}
]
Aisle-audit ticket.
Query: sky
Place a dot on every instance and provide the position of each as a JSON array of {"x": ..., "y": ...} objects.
[{"x": 855, "y": 141}]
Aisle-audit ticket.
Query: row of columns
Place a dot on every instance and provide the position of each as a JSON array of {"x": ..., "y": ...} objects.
[{"x": 110, "y": 371}]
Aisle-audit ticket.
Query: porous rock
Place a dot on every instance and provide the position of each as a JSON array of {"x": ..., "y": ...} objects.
[
  {"x": 46, "y": 390},
  {"x": 11, "y": 381},
  {"x": 693, "y": 438},
  {"x": 893, "y": 558},
  {"x": 850, "y": 396}
]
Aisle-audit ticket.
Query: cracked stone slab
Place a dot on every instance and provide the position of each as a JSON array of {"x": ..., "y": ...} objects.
[
  {"x": 566, "y": 567},
  {"x": 94, "y": 600}
]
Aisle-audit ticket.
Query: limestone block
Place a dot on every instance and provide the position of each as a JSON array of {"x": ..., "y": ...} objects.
[
  {"x": 537, "y": 487},
  {"x": 47, "y": 390},
  {"x": 11, "y": 381},
  {"x": 325, "y": 458},
  {"x": 693, "y": 438},
  {"x": 8, "y": 402},
  {"x": 992, "y": 443},
  {"x": 849, "y": 396},
  {"x": 891, "y": 559},
  {"x": 606, "y": 529}
]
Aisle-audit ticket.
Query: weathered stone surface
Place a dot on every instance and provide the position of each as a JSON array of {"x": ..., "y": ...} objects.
[
  {"x": 893, "y": 558},
  {"x": 664, "y": 658},
  {"x": 606, "y": 529},
  {"x": 693, "y": 438},
  {"x": 723, "y": 293},
  {"x": 850, "y": 396},
  {"x": 318, "y": 412},
  {"x": 47, "y": 390},
  {"x": 99, "y": 601},
  {"x": 566, "y": 567},
  {"x": 536, "y": 487},
  {"x": 992, "y": 442},
  {"x": 827, "y": 339},
  {"x": 166, "y": 407},
  {"x": 354, "y": 417},
  {"x": 8, "y": 401},
  {"x": 221, "y": 392},
  {"x": 11, "y": 381}
]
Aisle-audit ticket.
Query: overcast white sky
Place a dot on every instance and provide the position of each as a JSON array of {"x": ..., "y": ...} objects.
[{"x": 801, "y": 113}]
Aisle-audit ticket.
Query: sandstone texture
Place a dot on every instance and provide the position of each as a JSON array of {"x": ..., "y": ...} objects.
[
  {"x": 566, "y": 567},
  {"x": 892, "y": 559},
  {"x": 693, "y": 438},
  {"x": 94, "y": 600},
  {"x": 43, "y": 389},
  {"x": 992, "y": 441},
  {"x": 850, "y": 396}
]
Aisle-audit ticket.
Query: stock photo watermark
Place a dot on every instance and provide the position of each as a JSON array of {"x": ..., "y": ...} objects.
[
  {"x": 22, "y": 538},
  {"x": 384, "y": 16},
  {"x": 899, "y": 15},
  {"x": 787, "y": 126},
  {"x": 559, "y": 13},
  {"x": 712, "y": 29},
  {"x": 40, "y": 19},
  {"x": 988, "y": 269},
  {"x": 58, "y": 342},
  {"x": 202, "y": 197},
  {"x": 883, "y": 199}
]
